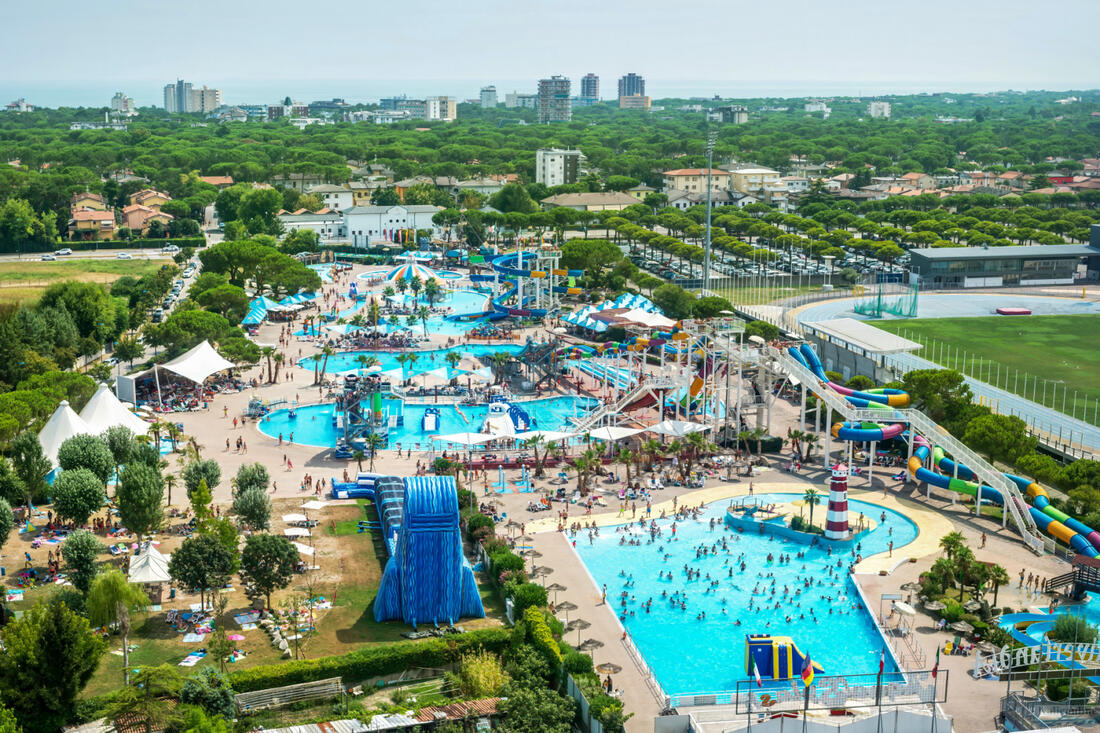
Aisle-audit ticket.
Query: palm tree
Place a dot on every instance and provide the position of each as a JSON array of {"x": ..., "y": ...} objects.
[
  {"x": 174, "y": 434},
  {"x": 423, "y": 313},
  {"x": 415, "y": 285},
  {"x": 358, "y": 456},
  {"x": 499, "y": 360},
  {"x": 155, "y": 427},
  {"x": 394, "y": 322},
  {"x": 812, "y": 497},
  {"x": 170, "y": 480},
  {"x": 388, "y": 291},
  {"x": 375, "y": 443},
  {"x": 965, "y": 569},
  {"x": 676, "y": 448},
  {"x": 626, "y": 457},
  {"x": 998, "y": 576},
  {"x": 432, "y": 291},
  {"x": 111, "y": 600},
  {"x": 580, "y": 465},
  {"x": 951, "y": 543},
  {"x": 365, "y": 362},
  {"x": 652, "y": 448},
  {"x": 533, "y": 442},
  {"x": 326, "y": 353},
  {"x": 553, "y": 449},
  {"x": 452, "y": 358},
  {"x": 279, "y": 359},
  {"x": 402, "y": 285},
  {"x": 268, "y": 351},
  {"x": 806, "y": 445},
  {"x": 374, "y": 313}
]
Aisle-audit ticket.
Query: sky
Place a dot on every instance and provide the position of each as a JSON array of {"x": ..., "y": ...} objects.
[{"x": 771, "y": 45}]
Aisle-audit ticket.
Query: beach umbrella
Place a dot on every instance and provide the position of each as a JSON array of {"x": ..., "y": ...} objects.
[
  {"x": 589, "y": 645},
  {"x": 540, "y": 571},
  {"x": 962, "y": 627},
  {"x": 608, "y": 668},
  {"x": 565, "y": 607},
  {"x": 525, "y": 538},
  {"x": 934, "y": 605},
  {"x": 904, "y": 608},
  {"x": 578, "y": 625},
  {"x": 555, "y": 588},
  {"x": 315, "y": 504}
]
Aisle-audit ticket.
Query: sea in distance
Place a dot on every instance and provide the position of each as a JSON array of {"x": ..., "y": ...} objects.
[{"x": 148, "y": 92}]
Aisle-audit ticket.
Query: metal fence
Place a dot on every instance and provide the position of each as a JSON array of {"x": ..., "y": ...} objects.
[
  {"x": 584, "y": 713},
  {"x": 278, "y": 696}
]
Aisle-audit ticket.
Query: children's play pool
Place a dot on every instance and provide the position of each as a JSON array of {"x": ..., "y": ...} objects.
[
  {"x": 313, "y": 426},
  {"x": 425, "y": 360},
  {"x": 699, "y": 647}
]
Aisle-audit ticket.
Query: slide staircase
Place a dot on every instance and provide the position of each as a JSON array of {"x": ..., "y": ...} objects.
[
  {"x": 1083, "y": 578},
  {"x": 921, "y": 424},
  {"x": 650, "y": 389}
]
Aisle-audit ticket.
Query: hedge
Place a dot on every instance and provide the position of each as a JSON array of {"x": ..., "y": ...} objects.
[
  {"x": 372, "y": 661},
  {"x": 181, "y": 242}
]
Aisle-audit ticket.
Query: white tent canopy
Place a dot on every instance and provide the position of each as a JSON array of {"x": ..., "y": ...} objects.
[
  {"x": 63, "y": 424},
  {"x": 613, "y": 432},
  {"x": 296, "y": 532},
  {"x": 294, "y": 518},
  {"x": 105, "y": 410},
  {"x": 647, "y": 318},
  {"x": 304, "y": 549},
  {"x": 149, "y": 567},
  {"x": 464, "y": 438},
  {"x": 546, "y": 435},
  {"x": 315, "y": 504},
  {"x": 677, "y": 428},
  {"x": 198, "y": 363}
]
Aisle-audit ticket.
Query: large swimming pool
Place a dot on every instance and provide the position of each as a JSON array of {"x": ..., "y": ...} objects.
[
  {"x": 689, "y": 654},
  {"x": 313, "y": 423},
  {"x": 425, "y": 360}
]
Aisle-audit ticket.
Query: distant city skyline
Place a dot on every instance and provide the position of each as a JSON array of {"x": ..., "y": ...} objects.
[{"x": 809, "y": 47}]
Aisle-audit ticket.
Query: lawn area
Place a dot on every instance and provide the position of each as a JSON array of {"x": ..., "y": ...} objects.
[
  {"x": 1058, "y": 349},
  {"x": 24, "y": 280},
  {"x": 759, "y": 296}
]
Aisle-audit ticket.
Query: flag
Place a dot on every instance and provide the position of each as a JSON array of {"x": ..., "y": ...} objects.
[
  {"x": 936, "y": 666},
  {"x": 754, "y": 670},
  {"x": 807, "y": 671},
  {"x": 881, "y": 660}
]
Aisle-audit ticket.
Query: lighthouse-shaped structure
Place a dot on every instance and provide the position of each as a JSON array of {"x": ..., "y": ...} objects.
[{"x": 836, "y": 520}]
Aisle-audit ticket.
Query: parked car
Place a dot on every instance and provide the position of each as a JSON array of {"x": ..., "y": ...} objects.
[
  {"x": 169, "y": 249},
  {"x": 63, "y": 251},
  {"x": 158, "y": 315},
  {"x": 48, "y": 258},
  {"x": 124, "y": 256}
]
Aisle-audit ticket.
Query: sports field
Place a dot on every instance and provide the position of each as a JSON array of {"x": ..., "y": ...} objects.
[
  {"x": 1042, "y": 358},
  {"x": 24, "y": 280}
]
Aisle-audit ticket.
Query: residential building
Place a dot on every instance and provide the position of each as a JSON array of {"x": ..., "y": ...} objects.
[
  {"x": 684, "y": 200},
  {"x": 640, "y": 191},
  {"x": 88, "y": 200},
  {"x": 631, "y": 85},
  {"x": 488, "y": 97},
  {"x": 336, "y": 198},
  {"x": 751, "y": 179},
  {"x": 105, "y": 125},
  {"x": 590, "y": 87},
  {"x": 294, "y": 109},
  {"x": 390, "y": 103},
  {"x": 332, "y": 105},
  {"x": 205, "y": 100},
  {"x": 635, "y": 101},
  {"x": 298, "y": 181},
  {"x": 329, "y": 225},
  {"x": 123, "y": 105},
  {"x": 733, "y": 114},
  {"x": 138, "y": 217},
  {"x": 92, "y": 224},
  {"x": 795, "y": 184},
  {"x": 919, "y": 180},
  {"x": 879, "y": 109},
  {"x": 483, "y": 186},
  {"x": 218, "y": 181},
  {"x": 513, "y": 100},
  {"x": 303, "y": 122},
  {"x": 149, "y": 197},
  {"x": 1013, "y": 179},
  {"x": 366, "y": 224},
  {"x": 553, "y": 102},
  {"x": 978, "y": 267},
  {"x": 177, "y": 97},
  {"x": 441, "y": 108},
  {"x": 598, "y": 201},
  {"x": 815, "y": 106},
  {"x": 695, "y": 179},
  {"x": 556, "y": 167},
  {"x": 19, "y": 105}
]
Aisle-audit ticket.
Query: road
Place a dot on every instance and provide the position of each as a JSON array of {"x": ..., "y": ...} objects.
[{"x": 103, "y": 254}]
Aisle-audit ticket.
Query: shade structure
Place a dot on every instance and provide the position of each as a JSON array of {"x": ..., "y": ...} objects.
[
  {"x": 409, "y": 270},
  {"x": 962, "y": 627},
  {"x": 105, "y": 410},
  {"x": 431, "y": 377},
  {"x": 63, "y": 424},
  {"x": 935, "y": 605},
  {"x": 297, "y": 299},
  {"x": 257, "y": 312},
  {"x": 677, "y": 428},
  {"x": 304, "y": 549},
  {"x": 481, "y": 373},
  {"x": 589, "y": 644},
  {"x": 149, "y": 567},
  {"x": 198, "y": 363},
  {"x": 904, "y": 608},
  {"x": 315, "y": 504},
  {"x": 296, "y": 532},
  {"x": 647, "y": 318},
  {"x": 608, "y": 668},
  {"x": 613, "y": 432},
  {"x": 464, "y": 438},
  {"x": 294, "y": 518},
  {"x": 546, "y": 435}
]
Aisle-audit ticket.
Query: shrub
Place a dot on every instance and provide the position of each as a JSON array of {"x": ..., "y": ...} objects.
[
  {"x": 476, "y": 522},
  {"x": 540, "y": 636},
  {"x": 506, "y": 560},
  {"x": 1058, "y": 690},
  {"x": 577, "y": 663},
  {"x": 953, "y": 610},
  {"x": 1072, "y": 629},
  {"x": 527, "y": 595},
  {"x": 466, "y": 499},
  {"x": 372, "y": 661},
  {"x": 481, "y": 675}
]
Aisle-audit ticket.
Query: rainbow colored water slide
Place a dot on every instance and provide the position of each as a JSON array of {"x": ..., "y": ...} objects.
[{"x": 958, "y": 478}]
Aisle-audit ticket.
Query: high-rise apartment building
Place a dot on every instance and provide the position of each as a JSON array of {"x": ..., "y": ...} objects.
[
  {"x": 123, "y": 105},
  {"x": 590, "y": 87},
  {"x": 733, "y": 114},
  {"x": 177, "y": 97},
  {"x": 204, "y": 100},
  {"x": 631, "y": 85},
  {"x": 554, "y": 100},
  {"x": 441, "y": 108},
  {"x": 879, "y": 109},
  {"x": 555, "y": 167},
  {"x": 488, "y": 97}
]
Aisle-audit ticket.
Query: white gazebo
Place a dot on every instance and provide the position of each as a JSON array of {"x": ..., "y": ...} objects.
[
  {"x": 194, "y": 365},
  {"x": 63, "y": 424},
  {"x": 105, "y": 410},
  {"x": 150, "y": 569}
]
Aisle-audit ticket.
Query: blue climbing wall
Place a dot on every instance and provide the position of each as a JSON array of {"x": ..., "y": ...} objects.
[{"x": 427, "y": 578}]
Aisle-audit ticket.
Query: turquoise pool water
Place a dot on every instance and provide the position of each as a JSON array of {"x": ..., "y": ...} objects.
[
  {"x": 313, "y": 424},
  {"x": 425, "y": 360},
  {"x": 325, "y": 271},
  {"x": 689, "y": 654}
]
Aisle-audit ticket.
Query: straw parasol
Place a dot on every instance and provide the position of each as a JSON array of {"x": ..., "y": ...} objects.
[
  {"x": 578, "y": 625},
  {"x": 525, "y": 538},
  {"x": 566, "y": 606},
  {"x": 608, "y": 668},
  {"x": 962, "y": 627},
  {"x": 935, "y": 605},
  {"x": 589, "y": 645},
  {"x": 540, "y": 571},
  {"x": 556, "y": 588}
]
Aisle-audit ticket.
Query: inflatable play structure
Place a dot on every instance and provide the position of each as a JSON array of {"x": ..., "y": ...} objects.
[
  {"x": 776, "y": 657},
  {"x": 504, "y": 418},
  {"x": 429, "y": 423},
  {"x": 427, "y": 579},
  {"x": 955, "y": 476}
]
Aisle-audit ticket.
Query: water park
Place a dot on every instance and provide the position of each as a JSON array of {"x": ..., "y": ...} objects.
[{"x": 735, "y": 533}]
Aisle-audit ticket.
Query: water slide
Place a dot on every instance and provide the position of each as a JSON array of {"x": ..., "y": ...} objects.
[
  {"x": 958, "y": 478},
  {"x": 512, "y": 266}
]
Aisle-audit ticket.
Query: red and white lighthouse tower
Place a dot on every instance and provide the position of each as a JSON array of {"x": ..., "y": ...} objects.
[{"x": 836, "y": 520}]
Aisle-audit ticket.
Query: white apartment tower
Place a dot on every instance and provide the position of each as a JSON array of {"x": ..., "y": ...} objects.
[
  {"x": 488, "y": 97},
  {"x": 556, "y": 167},
  {"x": 879, "y": 109}
]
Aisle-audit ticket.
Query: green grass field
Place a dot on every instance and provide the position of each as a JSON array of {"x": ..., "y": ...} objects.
[
  {"x": 1058, "y": 349},
  {"x": 24, "y": 280},
  {"x": 760, "y": 296}
]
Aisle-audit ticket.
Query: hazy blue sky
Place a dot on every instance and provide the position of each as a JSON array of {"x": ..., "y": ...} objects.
[{"x": 950, "y": 43}]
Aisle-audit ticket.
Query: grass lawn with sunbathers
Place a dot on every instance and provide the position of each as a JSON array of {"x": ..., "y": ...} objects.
[
  {"x": 350, "y": 570},
  {"x": 1057, "y": 348}
]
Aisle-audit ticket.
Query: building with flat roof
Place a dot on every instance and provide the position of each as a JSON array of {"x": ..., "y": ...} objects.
[
  {"x": 979, "y": 267},
  {"x": 635, "y": 101},
  {"x": 631, "y": 85},
  {"x": 595, "y": 201},
  {"x": 556, "y": 167},
  {"x": 488, "y": 97},
  {"x": 553, "y": 100},
  {"x": 590, "y": 87}
]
